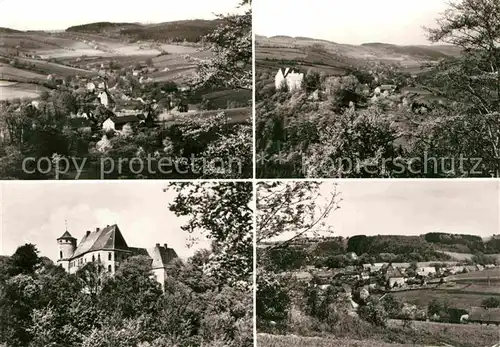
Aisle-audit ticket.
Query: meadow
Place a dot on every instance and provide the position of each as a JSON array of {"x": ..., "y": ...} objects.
[
  {"x": 13, "y": 90},
  {"x": 455, "y": 298},
  {"x": 266, "y": 340}
]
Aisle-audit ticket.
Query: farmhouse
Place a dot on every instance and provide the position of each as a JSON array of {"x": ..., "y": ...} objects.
[
  {"x": 108, "y": 247},
  {"x": 394, "y": 277},
  {"x": 105, "y": 98},
  {"x": 117, "y": 123},
  {"x": 401, "y": 265},
  {"x": 426, "y": 271},
  {"x": 91, "y": 87},
  {"x": 292, "y": 78}
]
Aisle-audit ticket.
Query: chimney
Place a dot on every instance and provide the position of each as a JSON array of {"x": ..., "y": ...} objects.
[
  {"x": 157, "y": 245},
  {"x": 88, "y": 233},
  {"x": 165, "y": 245}
]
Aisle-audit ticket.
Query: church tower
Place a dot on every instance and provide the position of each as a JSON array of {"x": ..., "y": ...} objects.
[{"x": 66, "y": 246}]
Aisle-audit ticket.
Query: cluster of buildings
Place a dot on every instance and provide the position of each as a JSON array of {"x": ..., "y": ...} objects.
[
  {"x": 108, "y": 248},
  {"x": 387, "y": 94},
  {"x": 122, "y": 109},
  {"x": 395, "y": 275}
]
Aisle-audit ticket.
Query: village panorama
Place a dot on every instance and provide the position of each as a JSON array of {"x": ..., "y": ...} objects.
[
  {"x": 92, "y": 267},
  {"x": 407, "y": 95},
  {"x": 106, "y": 99},
  {"x": 392, "y": 264}
]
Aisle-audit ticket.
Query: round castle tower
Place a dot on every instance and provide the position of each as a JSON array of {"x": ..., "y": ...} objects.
[{"x": 66, "y": 246}]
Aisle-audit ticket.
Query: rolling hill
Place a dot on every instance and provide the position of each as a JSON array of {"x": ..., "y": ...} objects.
[
  {"x": 337, "y": 58},
  {"x": 185, "y": 30}
]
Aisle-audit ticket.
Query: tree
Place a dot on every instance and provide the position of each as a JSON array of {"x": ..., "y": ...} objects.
[
  {"x": 25, "y": 260},
  {"x": 223, "y": 213},
  {"x": 311, "y": 81},
  {"x": 231, "y": 43},
  {"x": 295, "y": 208},
  {"x": 473, "y": 80},
  {"x": 273, "y": 301},
  {"x": 490, "y": 302},
  {"x": 131, "y": 291},
  {"x": 374, "y": 313}
]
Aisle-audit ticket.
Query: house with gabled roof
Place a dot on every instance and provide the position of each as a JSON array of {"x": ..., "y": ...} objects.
[
  {"x": 117, "y": 123},
  {"x": 394, "y": 277},
  {"x": 108, "y": 247},
  {"x": 289, "y": 76}
]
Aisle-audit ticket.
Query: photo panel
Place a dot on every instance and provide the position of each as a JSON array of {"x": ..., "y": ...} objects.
[
  {"x": 363, "y": 89},
  {"x": 392, "y": 263},
  {"x": 126, "y": 263},
  {"x": 121, "y": 93}
]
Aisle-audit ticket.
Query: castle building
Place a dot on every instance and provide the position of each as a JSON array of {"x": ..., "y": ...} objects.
[
  {"x": 291, "y": 77},
  {"x": 108, "y": 247}
]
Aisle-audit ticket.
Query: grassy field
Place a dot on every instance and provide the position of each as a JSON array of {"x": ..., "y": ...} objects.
[
  {"x": 81, "y": 49},
  {"x": 458, "y": 299},
  {"x": 265, "y": 340},
  {"x": 321, "y": 53},
  {"x": 419, "y": 334},
  {"x": 493, "y": 287},
  {"x": 234, "y": 116},
  {"x": 10, "y": 72},
  {"x": 455, "y": 334},
  {"x": 20, "y": 90},
  {"x": 54, "y": 68},
  {"x": 491, "y": 274}
]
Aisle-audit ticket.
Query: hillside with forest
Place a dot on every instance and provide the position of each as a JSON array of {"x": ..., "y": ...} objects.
[
  {"x": 176, "y": 31},
  {"x": 334, "y": 252},
  {"x": 373, "y": 110}
]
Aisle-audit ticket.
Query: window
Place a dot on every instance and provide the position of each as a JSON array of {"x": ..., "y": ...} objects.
[
  {"x": 109, "y": 268},
  {"x": 60, "y": 254},
  {"x": 99, "y": 258},
  {"x": 109, "y": 256},
  {"x": 93, "y": 258}
]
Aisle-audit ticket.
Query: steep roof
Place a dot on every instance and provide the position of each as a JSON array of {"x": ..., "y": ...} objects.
[
  {"x": 109, "y": 237},
  {"x": 66, "y": 235},
  {"x": 393, "y": 272},
  {"x": 124, "y": 119},
  {"x": 160, "y": 255}
]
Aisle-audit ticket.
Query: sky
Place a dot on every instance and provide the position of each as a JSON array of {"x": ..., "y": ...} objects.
[
  {"x": 61, "y": 14},
  {"x": 415, "y": 207},
  {"x": 351, "y": 22},
  {"x": 35, "y": 212}
]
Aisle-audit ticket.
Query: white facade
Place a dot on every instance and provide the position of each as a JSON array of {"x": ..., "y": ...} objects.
[
  {"x": 426, "y": 271},
  {"x": 90, "y": 86},
  {"x": 292, "y": 79},
  {"x": 105, "y": 258},
  {"x": 103, "y": 97},
  {"x": 108, "y": 125},
  {"x": 393, "y": 281},
  {"x": 107, "y": 248}
]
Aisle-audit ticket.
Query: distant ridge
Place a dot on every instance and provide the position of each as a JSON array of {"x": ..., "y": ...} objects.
[
  {"x": 99, "y": 27},
  {"x": 9, "y": 31},
  {"x": 188, "y": 30}
]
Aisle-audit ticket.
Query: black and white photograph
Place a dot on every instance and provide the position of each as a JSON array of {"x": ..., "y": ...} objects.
[
  {"x": 107, "y": 90},
  {"x": 137, "y": 263},
  {"x": 377, "y": 89},
  {"x": 378, "y": 263}
]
